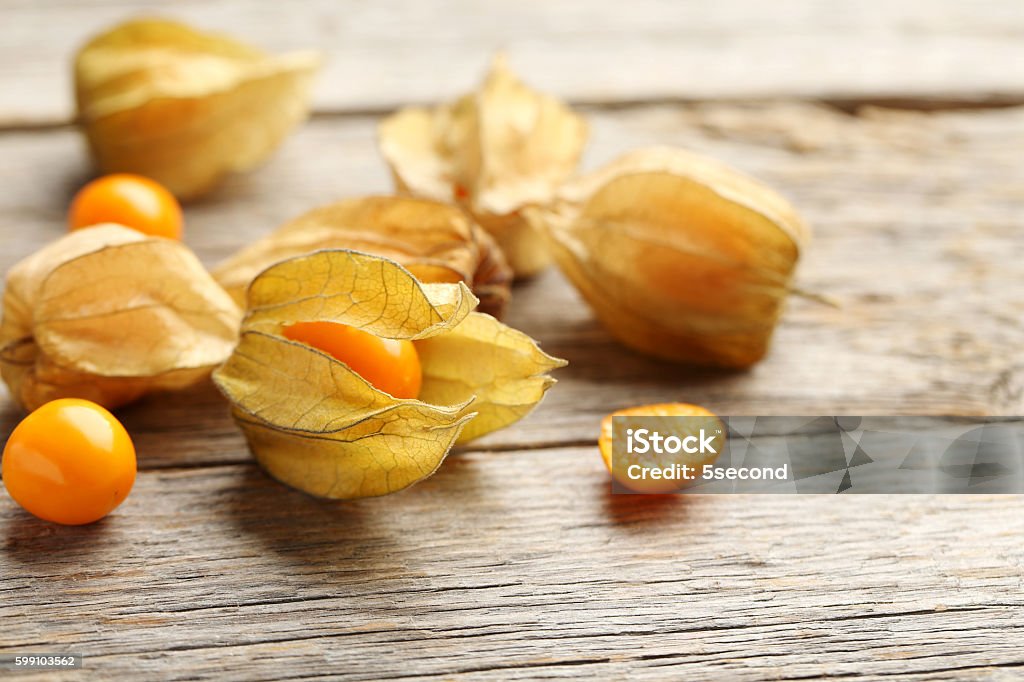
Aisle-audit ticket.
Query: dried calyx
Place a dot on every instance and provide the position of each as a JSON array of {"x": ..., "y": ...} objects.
[
  {"x": 680, "y": 257},
  {"x": 184, "y": 107},
  {"x": 317, "y": 425},
  {"x": 436, "y": 242},
  {"x": 108, "y": 314},
  {"x": 495, "y": 151}
]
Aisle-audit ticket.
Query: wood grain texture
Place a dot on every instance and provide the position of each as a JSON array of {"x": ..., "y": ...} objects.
[
  {"x": 381, "y": 54},
  {"x": 515, "y": 561},
  {"x": 518, "y": 565}
]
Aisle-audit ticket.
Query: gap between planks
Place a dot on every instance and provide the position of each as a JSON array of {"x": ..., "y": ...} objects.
[{"x": 928, "y": 103}]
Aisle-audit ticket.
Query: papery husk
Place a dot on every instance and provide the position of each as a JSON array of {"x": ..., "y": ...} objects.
[
  {"x": 108, "y": 314},
  {"x": 184, "y": 107},
  {"x": 681, "y": 257},
  {"x": 496, "y": 152},
  {"x": 436, "y": 242},
  {"x": 501, "y": 369},
  {"x": 318, "y": 426}
]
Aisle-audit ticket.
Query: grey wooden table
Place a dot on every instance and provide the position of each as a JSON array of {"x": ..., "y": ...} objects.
[{"x": 895, "y": 127}]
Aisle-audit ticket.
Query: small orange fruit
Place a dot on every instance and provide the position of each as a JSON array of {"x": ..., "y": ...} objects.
[
  {"x": 619, "y": 469},
  {"x": 70, "y": 462},
  {"x": 390, "y": 365},
  {"x": 129, "y": 200}
]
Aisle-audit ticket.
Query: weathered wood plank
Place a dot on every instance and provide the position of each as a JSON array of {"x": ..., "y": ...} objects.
[
  {"x": 515, "y": 562},
  {"x": 516, "y": 565},
  {"x": 384, "y": 54},
  {"x": 917, "y": 237}
]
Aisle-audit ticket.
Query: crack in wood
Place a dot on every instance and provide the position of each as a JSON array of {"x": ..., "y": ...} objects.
[{"x": 925, "y": 103}]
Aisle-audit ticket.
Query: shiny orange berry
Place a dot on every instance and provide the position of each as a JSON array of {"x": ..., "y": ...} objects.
[
  {"x": 391, "y": 365},
  {"x": 70, "y": 462},
  {"x": 129, "y": 200}
]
